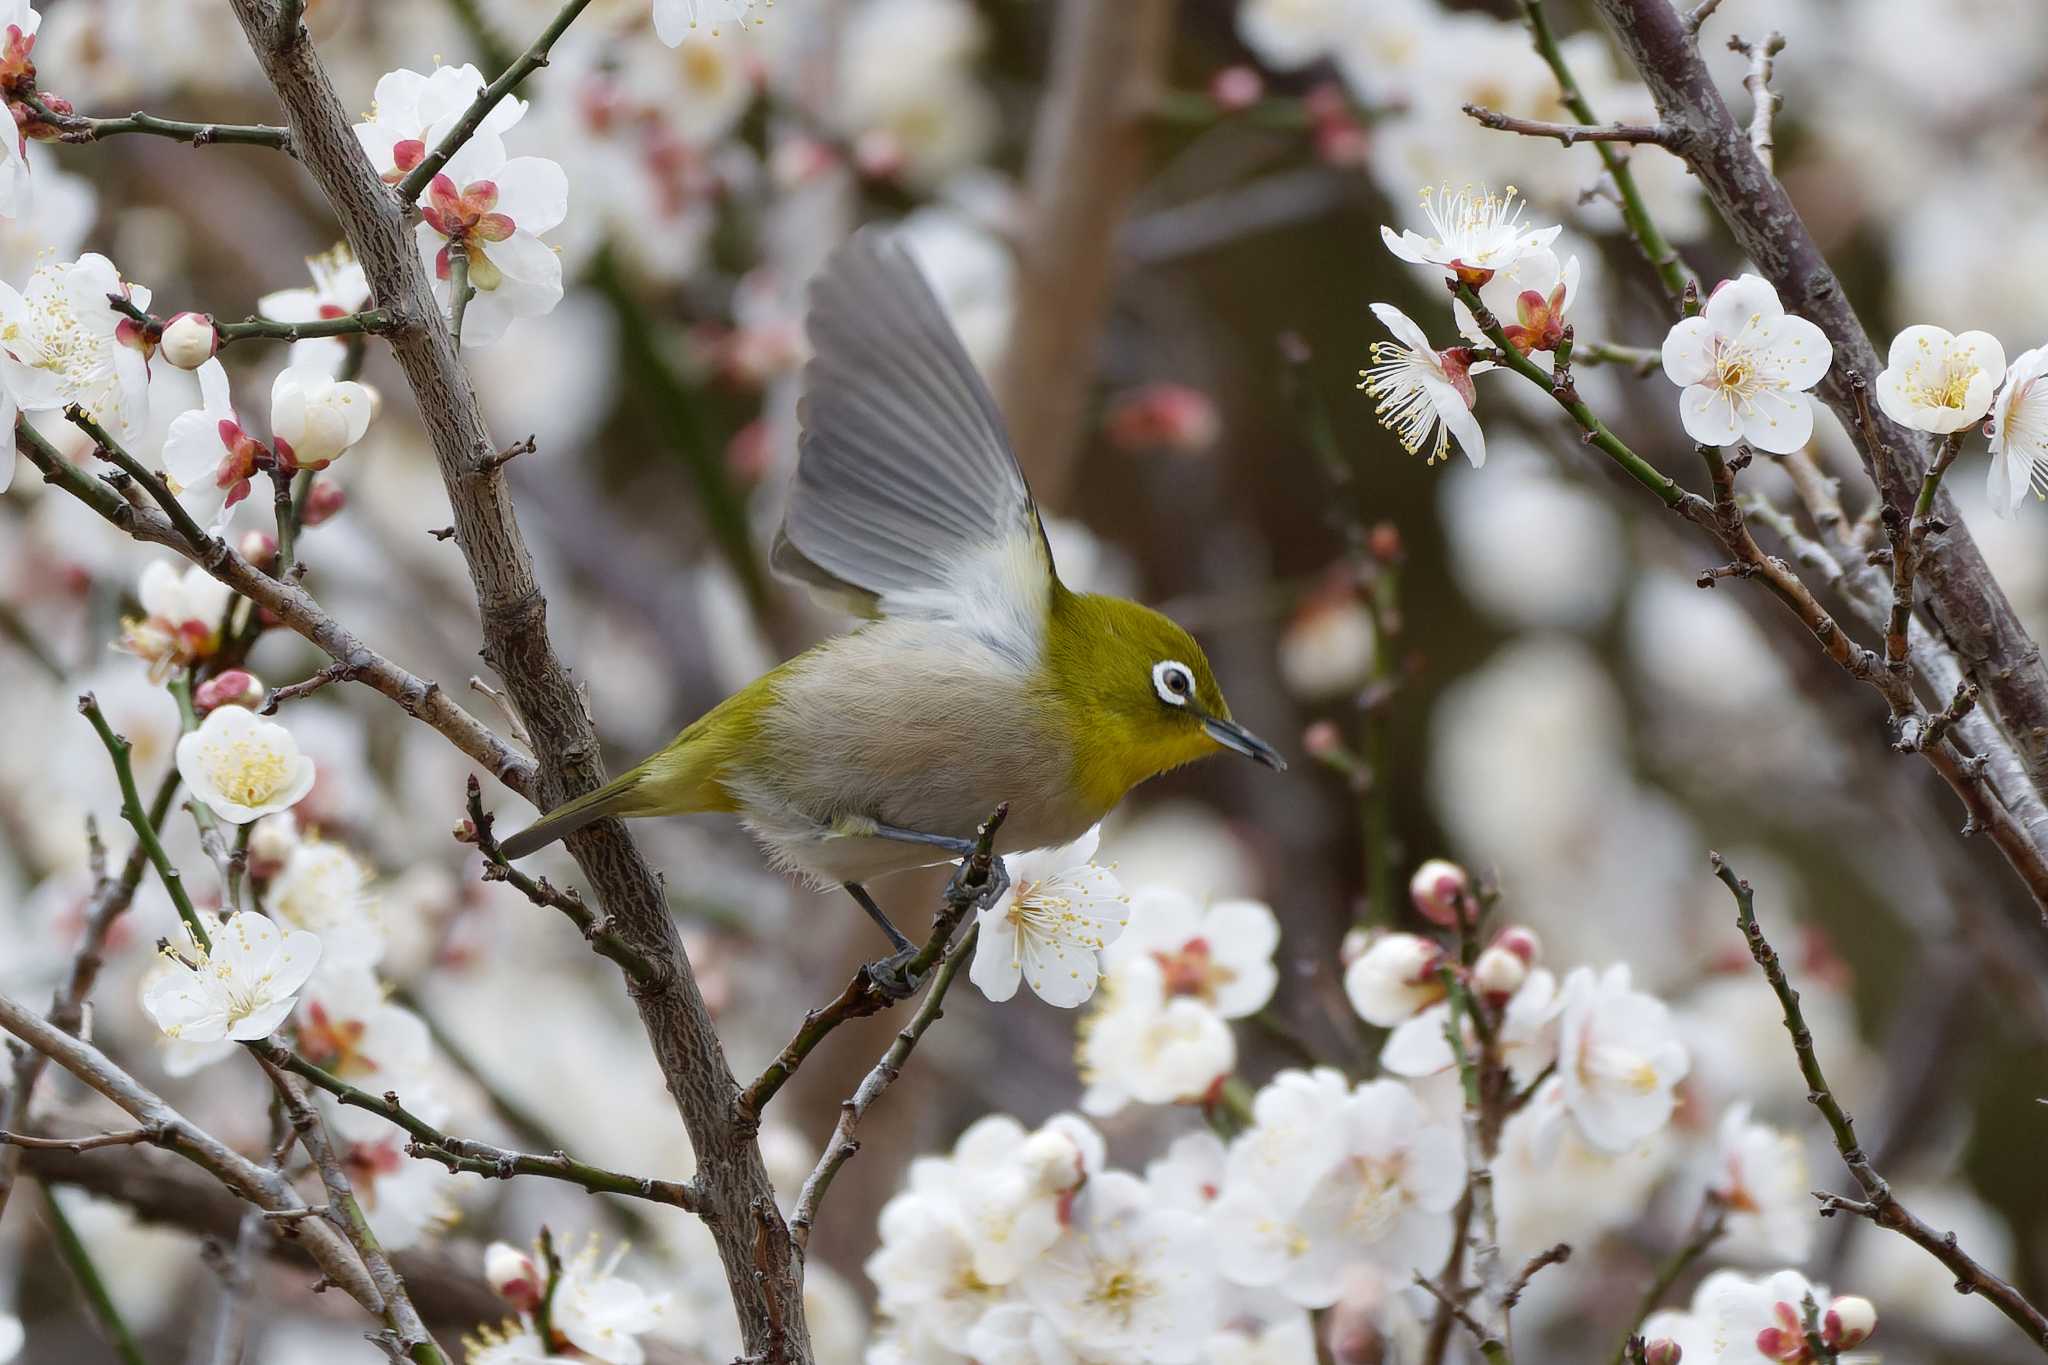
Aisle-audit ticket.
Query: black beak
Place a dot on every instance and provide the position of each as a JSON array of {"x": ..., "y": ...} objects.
[{"x": 1235, "y": 737}]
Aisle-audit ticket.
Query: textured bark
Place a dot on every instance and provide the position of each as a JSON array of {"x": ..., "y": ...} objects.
[
  {"x": 1956, "y": 590},
  {"x": 1108, "y": 60},
  {"x": 761, "y": 1264}
]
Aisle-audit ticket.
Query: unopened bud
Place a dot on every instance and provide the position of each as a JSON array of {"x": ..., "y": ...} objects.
[
  {"x": 271, "y": 842},
  {"x": 1353, "y": 946},
  {"x": 1499, "y": 973},
  {"x": 1237, "y": 87},
  {"x": 1171, "y": 417},
  {"x": 1439, "y": 889},
  {"x": 258, "y": 547},
  {"x": 1323, "y": 739},
  {"x": 1054, "y": 1163},
  {"x": 1662, "y": 1351},
  {"x": 1848, "y": 1322},
  {"x": 324, "y": 501},
  {"x": 189, "y": 340},
  {"x": 879, "y": 154},
  {"x": 1394, "y": 978},
  {"x": 1383, "y": 542},
  {"x": 1521, "y": 941},
  {"x": 236, "y": 687},
  {"x": 513, "y": 1276}
]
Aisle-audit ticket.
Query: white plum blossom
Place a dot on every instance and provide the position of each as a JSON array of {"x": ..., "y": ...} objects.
[
  {"x": 323, "y": 887},
  {"x": 1010, "y": 1187},
  {"x": 60, "y": 342},
  {"x": 404, "y": 1196},
  {"x": 1759, "y": 1176},
  {"x": 1763, "y": 1321},
  {"x": 346, "y": 1025},
  {"x": 1289, "y": 34},
  {"x": 1048, "y": 929},
  {"x": 315, "y": 417},
  {"x": 1221, "y": 954},
  {"x": 18, "y": 24},
  {"x": 241, "y": 987},
  {"x": 1377, "y": 1184},
  {"x": 1745, "y": 365},
  {"x": 1423, "y": 395},
  {"x": 677, "y": 20},
  {"x": 923, "y": 1269},
  {"x": 1473, "y": 234},
  {"x": 602, "y": 1314},
  {"x": 904, "y": 92},
  {"x": 510, "y": 1344},
  {"x": 1189, "y": 1175},
  {"x": 339, "y": 288},
  {"x": 1394, "y": 978},
  {"x": 241, "y": 766},
  {"x": 1142, "y": 1043},
  {"x": 1526, "y": 1036},
  {"x": 409, "y": 117},
  {"x": 1131, "y": 1280},
  {"x": 208, "y": 457},
  {"x": 1619, "y": 1059},
  {"x": 182, "y": 615},
  {"x": 1940, "y": 381},
  {"x": 495, "y": 209},
  {"x": 2019, "y": 433}
]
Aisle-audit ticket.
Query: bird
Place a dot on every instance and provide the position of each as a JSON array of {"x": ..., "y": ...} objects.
[{"x": 976, "y": 677}]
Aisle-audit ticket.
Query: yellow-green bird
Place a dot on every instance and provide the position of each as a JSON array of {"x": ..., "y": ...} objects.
[{"x": 979, "y": 678}]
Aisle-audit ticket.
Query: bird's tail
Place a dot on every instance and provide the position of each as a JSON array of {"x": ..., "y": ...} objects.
[{"x": 614, "y": 798}]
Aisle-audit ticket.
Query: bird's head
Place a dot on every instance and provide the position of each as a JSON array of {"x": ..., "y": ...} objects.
[{"x": 1138, "y": 695}]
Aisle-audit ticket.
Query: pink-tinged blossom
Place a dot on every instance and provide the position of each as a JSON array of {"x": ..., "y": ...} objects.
[
  {"x": 1473, "y": 234},
  {"x": 1424, "y": 396},
  {"x": 412, "y": 113},
  {"x": 1619, "y": 1059},
  {"x": 61, "y": 342},
  {"x": 209, "y": 456},
  {"x": 495, "y": 209}
]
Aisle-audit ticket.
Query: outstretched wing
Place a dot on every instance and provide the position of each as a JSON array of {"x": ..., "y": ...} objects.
[{"x": 907, "y": 500}]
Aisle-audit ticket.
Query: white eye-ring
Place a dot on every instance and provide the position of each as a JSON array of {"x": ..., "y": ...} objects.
[{"x": 1173, "y": 682}]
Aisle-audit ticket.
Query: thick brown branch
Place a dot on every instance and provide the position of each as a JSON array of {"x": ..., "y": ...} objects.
[
  {"x": 766, "y": 1282},
  {"x": 1961, "y": 597}
]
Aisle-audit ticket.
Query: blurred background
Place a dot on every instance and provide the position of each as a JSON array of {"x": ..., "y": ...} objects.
[{"x": 1518, "y": 663}]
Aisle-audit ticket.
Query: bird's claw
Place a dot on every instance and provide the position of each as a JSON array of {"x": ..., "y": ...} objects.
[
  {"x": 892, "y": 975},
  {"x": 998, "y": 885}
]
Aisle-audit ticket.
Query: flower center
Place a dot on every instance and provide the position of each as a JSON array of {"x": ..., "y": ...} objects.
[
  {"x": 247, "y": 773},
  {"x": 1617, "y": 1066},
  {"x": 1118, "y": 1291}
]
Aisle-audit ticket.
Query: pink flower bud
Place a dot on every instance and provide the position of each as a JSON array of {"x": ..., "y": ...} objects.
[
  {"x": 878, "y": 154},
  {"x": 1663, "y": 1351},
  {"x": 1848, "y": 1322},
  {"x": 1384, "y": 543},
  {"x": 1521, "y": 941},
  {"x": 236, "y": 687},
  {"x": 1499, "y": 973},
  {"x": 1169, "y": 417},
  {"x": 1439, "y": 889},
  {"x": 324, "y": 502},
  {"x": 258, "y": 547},
  {"x": 750, "y": 454},
  {"x": 189, "y": 340},
  {"x": 1323, "y": 739},
  {"x": 513, "y": 1276},
  {"x": 1237, "y": 87}
]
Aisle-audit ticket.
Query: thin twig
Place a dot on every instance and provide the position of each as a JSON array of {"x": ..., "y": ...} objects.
[
  {"x": 327, "y": 676},
  {"x": 127, "y": 1137},
  {"x": 1697, "y": 17},
  {"x": 1568, "y": 133},
  {"x": 296, "y": 608},
  {"x": 138, "y": 819},
  {"x": 863, "y": 996},
  {"x": 1762, "y": 57},
  {"x": 531, "y": 60},
  {"x": 844, "y": 1143},
  {"x": 244, "y": 1178},
  {"x": 1556, "y": 1255},
  {"x": 1879, "y": 1205},
  {"x": 112, "y": 451},
  {"x": 1707, "y": 1226},
  {"x": 78, "y": 128},
  {"x": 71, "y": 1249}
]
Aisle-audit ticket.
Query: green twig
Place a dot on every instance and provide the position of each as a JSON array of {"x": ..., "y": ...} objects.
[
  {"x": 77, "y": 128},
  {"x": 1597, "y": 433},
  {"x": 1707, "y": 1226},
  {"x": 1664, "y": 258},
  {"x": 369, "y": 322},
  {"x": 536, "y": 56},
  {"x": 72, "y": 1251},
  {"x": 138, "y": 820}
]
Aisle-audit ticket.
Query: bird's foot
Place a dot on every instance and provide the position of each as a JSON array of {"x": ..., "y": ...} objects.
[
  {"x": 998, "y": 885},
  {"x": 892, "y": 975}
]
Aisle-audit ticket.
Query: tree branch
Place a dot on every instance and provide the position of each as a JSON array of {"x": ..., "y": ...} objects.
[
  {"x": 77, "y": 128},
  {"x": 296, "y": 608},
  {"x": 765, "y": 1281},
  {"x": 1962, "y": 599},
  {"x": 1108, "y": 63},
  {"x": 1569, "y": 133},
  {"x": 1879, "y": 1205},
  {"x": 1762, "y": 58},
  {"x": 259, "y": 1185}
]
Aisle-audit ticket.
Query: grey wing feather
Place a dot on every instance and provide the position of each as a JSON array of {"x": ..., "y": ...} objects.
[{"x": 904, "y": 471}]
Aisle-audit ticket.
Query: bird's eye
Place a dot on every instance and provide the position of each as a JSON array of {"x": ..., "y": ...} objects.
[{"x": 1173, "y": 682}]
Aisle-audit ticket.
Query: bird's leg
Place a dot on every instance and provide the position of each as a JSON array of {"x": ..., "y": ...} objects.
[
  {"x": 892, "y": 973},
  {"x": 999, "y": 875}
]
